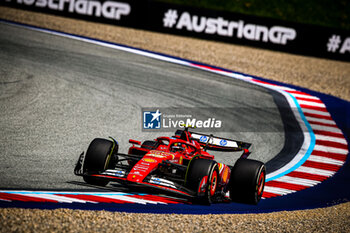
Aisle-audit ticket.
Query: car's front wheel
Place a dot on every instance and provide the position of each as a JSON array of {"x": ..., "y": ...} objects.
[
  {"x": 97, "y": 159},
  {"x": 247, "y": 181}
]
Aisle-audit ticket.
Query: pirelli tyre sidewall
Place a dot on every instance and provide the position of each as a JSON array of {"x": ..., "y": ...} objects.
[
  {"x": 198, "y": 169},
  {"x": 97, "y": 160},
  {"x": 247, "y": 181}
]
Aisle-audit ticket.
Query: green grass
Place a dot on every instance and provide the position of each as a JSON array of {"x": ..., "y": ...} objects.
[{"x": 335, "y": 14}]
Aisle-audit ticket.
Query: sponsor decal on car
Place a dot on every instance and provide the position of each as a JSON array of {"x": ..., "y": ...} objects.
[
  {"x": 159, "y": 154},
  {"x": 203, "y": 138},
  {"x": 118, "y": 173},
  {"x": 181, "y": 160},
  {"x": 149, "y": 160},
  {"x": 216, "y": 141},
  {"x": 223, "y": 142},
  {"x": 162, "y": 182},
  {"x": 225, "y": 174},
  {"x": 145, "y": 164},
  {"x": 140, "y": 168},
  {"x": 135, "y": 173}
]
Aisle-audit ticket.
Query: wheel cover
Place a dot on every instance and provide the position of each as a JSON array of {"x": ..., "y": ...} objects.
[
  {"x": 213, "y": 183},
  {"x": 261, "y": 183}
]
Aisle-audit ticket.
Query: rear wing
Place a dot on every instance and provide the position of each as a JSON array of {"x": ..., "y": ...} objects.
[{"x": 211, "y": 142}]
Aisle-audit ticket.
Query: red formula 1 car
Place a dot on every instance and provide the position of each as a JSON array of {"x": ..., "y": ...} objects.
[{"x": 179, "y": 165}]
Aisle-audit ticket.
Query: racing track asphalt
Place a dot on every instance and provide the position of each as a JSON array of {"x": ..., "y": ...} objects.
[{"x": 57, "y": 94}]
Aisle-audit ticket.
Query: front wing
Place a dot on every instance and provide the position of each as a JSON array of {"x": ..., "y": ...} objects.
[
  {"x": 149, "y": 182},
  {"x": 119, "y": 175}
]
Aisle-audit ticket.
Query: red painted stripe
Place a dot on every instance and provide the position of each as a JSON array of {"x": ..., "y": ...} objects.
[
  {"x": 263, "y": 82},
  {"x": 324, "y": 124},
  {"x": 3, "y": 198},
  {"x": 298, "y": 92},
  {"x": 331, "y": 144},
  {"x": 18, "y": 197},
  {"x": 310, "y": 100},
  {"x": 321, "y": 109},
  {"x": 285, "y": 185},
  {"x": 327, "y": 133},
  {"x": 319, "y": 165},
  {"x": 317, "y": 116},
  {"x": 335, "y": 156},
  {"x": 13, "y": 197},
  {"x": 269, "y": 195},
  {"x": 306, "y": 175},
  {"x": 207, "y": 67},
  {"x": 95, "y": 198}
]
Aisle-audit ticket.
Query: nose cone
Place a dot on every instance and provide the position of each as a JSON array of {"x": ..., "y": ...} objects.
[
  {"x": 148, "y": 164},
  {"x": 142, "y": 168},
  {"x": 135, "y": 177}
]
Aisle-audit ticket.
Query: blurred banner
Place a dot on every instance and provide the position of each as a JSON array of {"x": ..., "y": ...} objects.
[{"x": 201, "y": 23}]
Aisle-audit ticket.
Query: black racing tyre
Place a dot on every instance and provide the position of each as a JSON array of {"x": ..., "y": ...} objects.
[
  {"x": 149, "y": 145},
  {"x": 200, "y": 168},
  {"x": 247, "y": 181},
  {"x": 97, "y": 159}
]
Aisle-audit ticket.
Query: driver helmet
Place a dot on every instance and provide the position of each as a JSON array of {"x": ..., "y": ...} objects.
[{"x": 178, "y": 147}]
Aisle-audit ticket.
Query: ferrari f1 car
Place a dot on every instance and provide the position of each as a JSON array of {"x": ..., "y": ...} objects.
[{"x": 179, "y": 164}]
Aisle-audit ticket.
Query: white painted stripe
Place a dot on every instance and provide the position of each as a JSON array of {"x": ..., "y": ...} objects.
[
  {"x": 5, "y": 200},
  {"x": 115, "y": 46},
  {"x": 237, "y": 76},
  {"x": 280, "y": 191},
  {"x": 315, "y": 171},
  {"x": 131, "y": 199},
  {"x": 326, "y": 128},
  {"x": 286, "y": 88},
  {"x": 275, "y": 86},
  {"x": 222, "y": 72},
  {"x": 306, "y": 96},
  {"x": 322, "y": 159},
  {"x": 332, "y": 139},
  {"x": 56, "y": 198},
  {"x": 331, "y": 149},
  {"x": 312, "y": 103},
  {"x": 295, "y": 180},
  {"x": 300, "y": 121},
  {"x": 331, "y": 122},
  {"x": 312, "y": 111}
]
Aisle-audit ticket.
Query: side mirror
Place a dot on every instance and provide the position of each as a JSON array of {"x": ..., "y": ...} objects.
[{"x": 132, "y": 141}]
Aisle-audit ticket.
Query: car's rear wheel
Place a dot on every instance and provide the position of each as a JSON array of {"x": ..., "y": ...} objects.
[
  {"x": 97, "y": 159},
  {"x": 203, "y": 178},
  {"x": 247, "y": 181}
]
